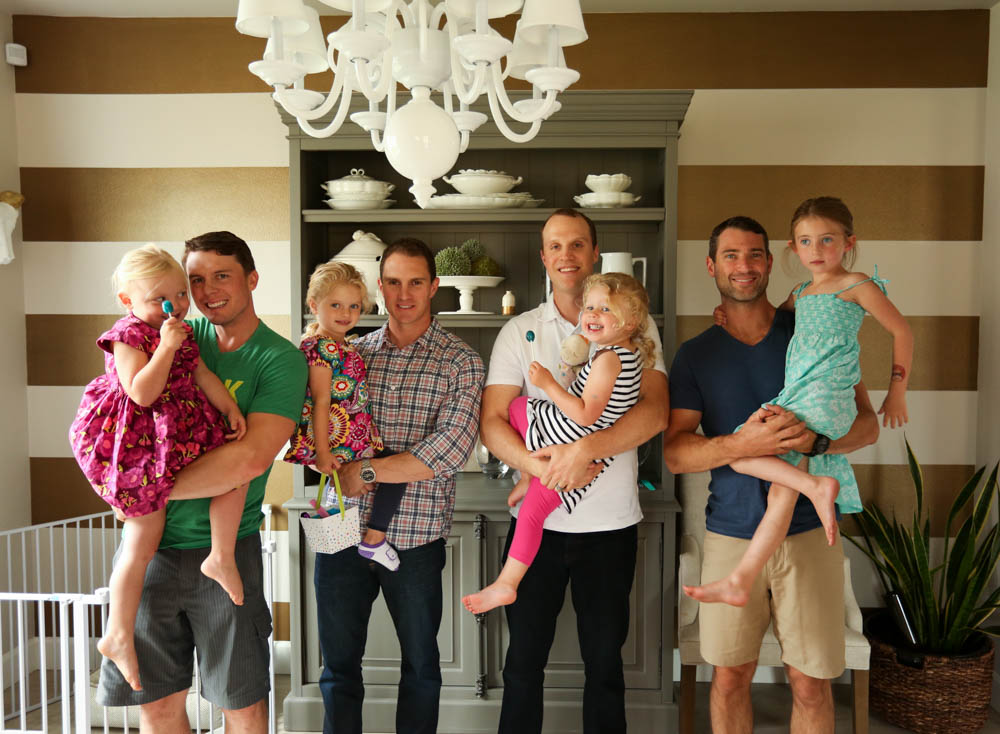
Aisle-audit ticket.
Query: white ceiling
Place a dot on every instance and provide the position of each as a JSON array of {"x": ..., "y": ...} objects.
[{"x": 227, "y": 8}]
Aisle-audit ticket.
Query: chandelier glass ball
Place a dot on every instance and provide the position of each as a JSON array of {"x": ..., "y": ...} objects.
[
  {"x": 446, "y": 49},
  {"x": 422, "y": 143}
]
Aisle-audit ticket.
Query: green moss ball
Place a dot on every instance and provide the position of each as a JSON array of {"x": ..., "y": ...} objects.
[
  {"x": 485, "y": 266},
  {"x": 452, "y": 261}
]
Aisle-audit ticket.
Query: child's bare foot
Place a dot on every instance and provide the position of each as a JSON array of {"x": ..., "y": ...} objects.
[
  {"x": 226, "y": 574},
  {"x": 490, "y": 597},
  {"x": 121, "y": 652},
  {"x": 727, "y": 591},
  {"x": 517, "y": 494},
  {"x": 826, "y": 507}
]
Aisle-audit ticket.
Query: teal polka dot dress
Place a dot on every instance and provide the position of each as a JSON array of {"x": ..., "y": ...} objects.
[{"x": 822, "y": 366}]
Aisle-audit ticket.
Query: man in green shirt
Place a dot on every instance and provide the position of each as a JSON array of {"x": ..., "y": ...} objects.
[{"x": 182, "y": 609}]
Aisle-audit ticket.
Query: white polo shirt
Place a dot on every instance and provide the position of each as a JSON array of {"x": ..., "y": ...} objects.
[{"x": 612, "y": 502}]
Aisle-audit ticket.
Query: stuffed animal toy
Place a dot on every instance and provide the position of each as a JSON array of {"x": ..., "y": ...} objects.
[{"x": 573, "y": 354}]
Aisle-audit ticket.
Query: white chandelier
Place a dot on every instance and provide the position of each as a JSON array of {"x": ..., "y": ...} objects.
[{"x": 448, "y": 47}]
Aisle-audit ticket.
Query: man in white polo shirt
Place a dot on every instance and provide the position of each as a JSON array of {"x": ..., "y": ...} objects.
[{"x": 594, "y": 548}]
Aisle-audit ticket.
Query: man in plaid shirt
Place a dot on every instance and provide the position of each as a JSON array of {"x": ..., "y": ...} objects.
[{"x": 426, "y": 386}]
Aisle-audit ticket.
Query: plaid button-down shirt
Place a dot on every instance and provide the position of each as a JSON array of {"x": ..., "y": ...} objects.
[{"x": 425, "y": 399}]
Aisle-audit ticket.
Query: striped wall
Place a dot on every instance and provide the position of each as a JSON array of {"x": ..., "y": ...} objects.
[{"x": 134, "y": 130}]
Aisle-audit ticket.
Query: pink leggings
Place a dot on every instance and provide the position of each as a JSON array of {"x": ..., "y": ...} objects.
[{"x": 537, "y": 505}]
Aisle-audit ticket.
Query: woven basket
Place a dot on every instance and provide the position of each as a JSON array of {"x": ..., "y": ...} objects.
[{"x": 929, "y": 694}]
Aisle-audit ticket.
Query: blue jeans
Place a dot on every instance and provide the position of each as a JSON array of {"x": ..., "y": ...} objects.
[
  {"x": 346, "y": 587},
  {"x": 600, "y": 568}
]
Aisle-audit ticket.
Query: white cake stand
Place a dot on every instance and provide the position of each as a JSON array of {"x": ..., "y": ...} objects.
[{"x": 467, "y": 285}]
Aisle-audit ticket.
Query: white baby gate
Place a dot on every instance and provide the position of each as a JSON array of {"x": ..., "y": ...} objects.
[{"x": 53, "y": 606}]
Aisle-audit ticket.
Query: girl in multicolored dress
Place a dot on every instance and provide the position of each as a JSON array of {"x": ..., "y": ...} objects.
[
  {"x": 156, "y": 408},
  {"x": 822, "y": 366},
  {"x": 337, "y": 398}
]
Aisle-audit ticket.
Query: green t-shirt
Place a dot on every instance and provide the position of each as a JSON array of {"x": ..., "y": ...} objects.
[{"x": 268, "y": 374}]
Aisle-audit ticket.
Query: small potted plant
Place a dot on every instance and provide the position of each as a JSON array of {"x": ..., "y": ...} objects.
[{"x": 932, "y": 670}]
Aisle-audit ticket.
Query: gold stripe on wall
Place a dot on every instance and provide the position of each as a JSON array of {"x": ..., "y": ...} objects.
[
  {"x": 945, "y": 352},
  {"x": 60, "y": 491},
  {"x": 890, "y": 487},
  {"x": 281, "y": 613},
  {"x": 137, "y": 204},
  {"x": 888, "y": 202},
  {"x": 62, "y": 348},
  {"x": 672, "y": 51},
  {"x": 279, "y": 491}
]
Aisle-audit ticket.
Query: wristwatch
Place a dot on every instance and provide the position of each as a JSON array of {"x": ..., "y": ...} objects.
[
  {"x": 820, "y": 445},
  {"x": 368, "y": 472}
]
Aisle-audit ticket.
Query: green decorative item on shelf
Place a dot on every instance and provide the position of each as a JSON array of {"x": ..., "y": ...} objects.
[
  {"x": 487, "y": 266},
  {"x": 452, "y": 261},
  {"x": 935, "y": 675},
  {"x": 474, "y": 249}
]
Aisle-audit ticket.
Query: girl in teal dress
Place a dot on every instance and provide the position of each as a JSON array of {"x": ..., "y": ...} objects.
[{"x": 821, "y": 369}]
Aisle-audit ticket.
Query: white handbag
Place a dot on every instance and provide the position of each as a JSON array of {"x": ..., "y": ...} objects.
[{"x": 340, "y": 529}]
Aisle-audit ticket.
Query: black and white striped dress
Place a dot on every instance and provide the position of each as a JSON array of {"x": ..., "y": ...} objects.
[{"x": 548, "y": 425}]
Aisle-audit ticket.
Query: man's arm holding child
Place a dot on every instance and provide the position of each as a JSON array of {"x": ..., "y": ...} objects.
[
  {"x": 572, "y": 465},
  {"x": 769, "y": 432}
]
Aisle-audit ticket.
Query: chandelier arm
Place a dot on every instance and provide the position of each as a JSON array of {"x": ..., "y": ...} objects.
[
  {"x": 331, "y": 99},
  {"x": 501, "y": 92},
  {"x": 467, "y": 94},
  {"x": 373, "y": 93},
  {"x": 335, "y": 123},
  {"x": 463, "y": 141},
  {"x": 377, "y": 142},
  {"x": 502, "y": 124}
]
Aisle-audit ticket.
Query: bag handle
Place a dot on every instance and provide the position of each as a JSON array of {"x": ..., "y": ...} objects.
[{"x": 340, "y": 494}]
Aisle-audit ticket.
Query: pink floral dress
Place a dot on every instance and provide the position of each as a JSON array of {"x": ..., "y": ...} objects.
[
  {"x": 131, "y": 454},
  {"x": 353, "y": 435}
]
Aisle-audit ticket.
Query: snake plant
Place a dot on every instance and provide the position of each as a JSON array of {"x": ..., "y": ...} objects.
[{"x": 946, "y": 601}]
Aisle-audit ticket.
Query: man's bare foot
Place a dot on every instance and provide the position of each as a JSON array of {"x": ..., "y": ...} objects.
[
  {"x": 122, "y": 653},
  {"x": 517, "y": 494},
  {"x": 826, "y": 506},
  {"x": 490, "y": 597},
  {"x": 726, "y": 591},
  {"x": 226, "y": 574}
]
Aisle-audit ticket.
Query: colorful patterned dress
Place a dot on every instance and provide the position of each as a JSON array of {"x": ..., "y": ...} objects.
[
  {"x": 353, "y": 434},
  {"x": 822, "y": 366},
  {"x": 129, "y": 453}
]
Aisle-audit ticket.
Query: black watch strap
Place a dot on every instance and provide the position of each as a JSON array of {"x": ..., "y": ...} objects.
[{"x": 820, "y": 445}]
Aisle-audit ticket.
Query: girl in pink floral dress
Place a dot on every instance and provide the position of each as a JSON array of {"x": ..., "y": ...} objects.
[
  {"x": 337, "y": 398},
  {"x": 149, "y": 415}
]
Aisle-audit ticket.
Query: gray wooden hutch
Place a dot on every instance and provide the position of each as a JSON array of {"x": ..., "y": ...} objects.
[{"x": 634, "y": 132}]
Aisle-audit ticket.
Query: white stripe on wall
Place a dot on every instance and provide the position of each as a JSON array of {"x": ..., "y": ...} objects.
[
  {"x": 926, "y": 278},
  {"x": 904, "y": 127},
  {"x": 78, "y": 275},
  {"x": 149, "y": 130},
  {"x": 942, "y": 429},
  {"x": 722, "y": 127}
]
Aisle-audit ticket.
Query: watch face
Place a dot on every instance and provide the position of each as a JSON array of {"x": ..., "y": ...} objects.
[{"x": 368, "y": 475}]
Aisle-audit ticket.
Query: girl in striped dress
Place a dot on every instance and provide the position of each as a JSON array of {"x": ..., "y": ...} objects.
[{"x": 614, "y": 319}]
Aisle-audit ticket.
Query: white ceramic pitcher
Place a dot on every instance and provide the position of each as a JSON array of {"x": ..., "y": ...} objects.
[{"x": 623, "y": 262}]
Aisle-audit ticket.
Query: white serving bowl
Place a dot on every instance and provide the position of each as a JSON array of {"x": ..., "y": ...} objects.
[
  {"x": 355, "y": 204},
  {"x": 356, "y": 195},
  {"x": 608, "y": 182},
  {"x": 606, "y": 199},
  {"x": 480, "y": 182},
  {"x": 358, "y": 183}
]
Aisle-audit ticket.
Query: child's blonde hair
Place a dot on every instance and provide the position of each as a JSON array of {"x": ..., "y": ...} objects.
[
  {"x": 325, "y": 278},
  {"x": 834, "y": 209},
  {"x": 627, "y": 300},
  {"x": 147, "y": 261}
]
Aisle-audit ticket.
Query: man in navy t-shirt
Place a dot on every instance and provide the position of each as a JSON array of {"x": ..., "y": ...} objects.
[{"x": 719, "y": 380}]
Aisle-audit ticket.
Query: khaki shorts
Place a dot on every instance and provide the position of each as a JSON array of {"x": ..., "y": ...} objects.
[{"x": 801, "y": 589}]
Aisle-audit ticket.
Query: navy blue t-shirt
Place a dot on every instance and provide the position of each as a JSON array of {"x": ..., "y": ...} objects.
[{"x": 727, "y": 380}]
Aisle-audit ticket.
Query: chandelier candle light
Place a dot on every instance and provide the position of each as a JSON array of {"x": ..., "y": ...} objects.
[{"x": 448, "y": 48}]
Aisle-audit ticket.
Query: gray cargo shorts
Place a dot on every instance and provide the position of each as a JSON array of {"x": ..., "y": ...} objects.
[{"x": 183, "y": 610}]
